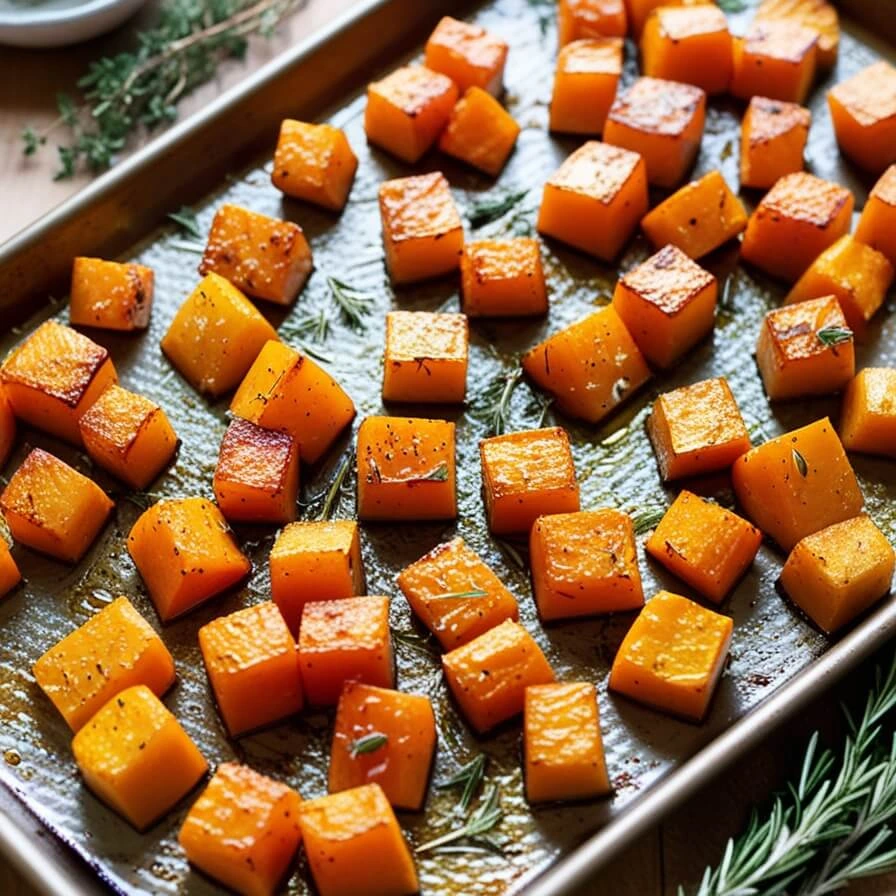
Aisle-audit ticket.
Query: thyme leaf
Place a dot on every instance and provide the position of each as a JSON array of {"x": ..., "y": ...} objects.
[{"x": 369, "y": 743}]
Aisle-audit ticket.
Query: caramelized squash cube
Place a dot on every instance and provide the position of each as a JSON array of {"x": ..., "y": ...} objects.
[
  {"x": 673, "y": 656},
  {"x": 401, "y": 763},
  {"x": 772, "y": 140},
  {"x": 287, "y": 391},
  {"x": 564, "y": 753},
  {"x": 639, "y": 11},
  {"x": 663, "y": 122},
  {"x": 776, "y": 58},
  {"x": 406, "y": 469},
  {"x": 868, "y": 421},
  {"x": 7, "y": 427},
  {"x": 408, "y": 109},
  {"x": 817, "y": 14},
  {"x": 52, "y": 508},
  {"x": 455, "y": 595},
  {"x": 243, "y": 830},
  {"x": 186, "y": 554},
  {"x": 595, "y": 199},
  {"x": 253, "y": 667},
  {"x": 585, "y": 82},
  {"x": 489, "y": 675},
  {"x": 584, "y": 564},
  {"x": 9, "y": 572},
  {"x": 798, "y": 483},
  {"x": 344, "y": 640},
  {"x": 577, "y": 19},
  {"x": 128, "y": 435},
  {"x": 837, "y": 573},
  {"x": 122, "y": 748},
  {"x": 110, "y": 295},
  {"x": 704, "y": 544},
  {"x": 502, "y": 278},
  {"x": 54, "y": 376},
  {"x": 422, "y": 231},
  {"x": 314, "y": 162},
  {"x": 877, "y": 224},
  {"x": 469, "y": 55},
  {"x": 526, "y": 475},
  {"x": 800, "y": 217},
  {"x": 480, "y": 132}
]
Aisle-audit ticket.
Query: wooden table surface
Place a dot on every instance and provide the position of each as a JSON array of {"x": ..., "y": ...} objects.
[{"x": 674, "y": 853}]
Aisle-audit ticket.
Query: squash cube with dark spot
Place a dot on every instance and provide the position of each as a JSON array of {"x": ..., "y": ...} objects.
[
  {"x": 7, "y": 427},
  {"x": 868, "y": 418},
  {"x": 186, "y": 554},
  {"x": 468, "y": 54},
  {"x": 877, "y": 224},
  {"x": 816, "y": 14},
  {"x": 480, "y": 132},
  {"x": 52, "y": 508},
  {"x": 253, "y": 667},
  {"x": 243, "y": 830},
  {"x": 772, "y": 141},
  {"x": 585, "y": 82},
  {"x": 503, "y": 278},
  {"x": 9, "y": 571},
  {"x": 54, "y": 376},
  {"x": 578, "y": 19},
  {"x": 345, "y": 640},
  {"x": 110, "y": 295}
]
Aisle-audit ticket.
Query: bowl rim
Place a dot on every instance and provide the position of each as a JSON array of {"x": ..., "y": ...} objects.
[{"x": 33, "y": 16}]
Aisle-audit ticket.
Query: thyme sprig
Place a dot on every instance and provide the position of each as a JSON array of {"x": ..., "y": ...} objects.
[
  {"x": 469, "y": 778},
  {"x": 487, "y": 815}
]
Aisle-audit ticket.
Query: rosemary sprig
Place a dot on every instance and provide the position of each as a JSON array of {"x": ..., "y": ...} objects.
[
  {"x": 414, "y": 641},
  {"x": 353, "y": 304},
  {"x": 487, "y": 815},
  {"x": 331, "y": 499},
  {"x": 800, "y": 463},
  {"x": 369, "y": 743},
  {"x": 831, "y": 336},
  {"x": 493, "y": 207},
  {"x": 469, "y": 778},
  {"x": 647, "y": 518},
  {"x": 495, "y": 400},
  {"x": 185, "y": 218},
  {"x": 456, "y": 595}
]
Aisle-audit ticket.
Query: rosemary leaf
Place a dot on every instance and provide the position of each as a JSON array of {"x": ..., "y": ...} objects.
[
  {"x": 487, "y": 815},
  {"x": 186, "y": 246},
  {"x": 353, "y": 304},
  {"x": 800, "y": 463},
  {"x": 493, "y": 207},
  {"x": 185, "y": 218},
  {"x": 369, "y": 743},
  {"x": 831, "y": 336},
  {"x": 331, "y": 499},
  {"x": 732, "y": 5},
  {"x": 454, "y": 595},
  {"x": 469, "y": 777},
  {"x": 647, "y": 518}
]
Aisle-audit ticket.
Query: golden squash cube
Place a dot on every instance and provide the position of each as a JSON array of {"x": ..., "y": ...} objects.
[
  {"x": 585, "y": 82},
  {"x": 7, "y": 427},
  {"x": 9, "y": 571},
  {"x": 468, "y": 54},
  {"x": 877, "y": 224},
  {"x": 772, "y": 140},
  {"x": 817, "y": 14},
  {"x": 110, "y": 295},
  {"x": 577, "y": 19},
  {"x": 776, "y": 58},
  {"x": 502, "y": 278},
  {"x": 868, "y": 419}
]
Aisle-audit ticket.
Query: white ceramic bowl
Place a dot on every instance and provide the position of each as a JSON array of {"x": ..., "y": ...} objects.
[{"x": 57, "y": 23}]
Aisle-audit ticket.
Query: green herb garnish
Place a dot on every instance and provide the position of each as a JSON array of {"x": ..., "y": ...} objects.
[
  {"x": 334, "y": 492},
  {"x": 831, "y": 336},
  {"x": 486, "y": 816},
  {"x": 469, "y": 777},
  {"x": 646, "y": 519},
  {"x": 185, "y": 218},
  {"x": 800, "y": 462},
  {"x": 353, "y": 304},
  {"x": 491, "y": 208},
  {"x": 369, "y": 743},
  {"x": 456, "y": 595},
  {"x": 495, "y": 407}
]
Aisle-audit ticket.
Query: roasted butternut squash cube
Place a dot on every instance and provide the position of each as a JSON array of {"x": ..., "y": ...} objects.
[
  {"x": 639, "y": 11},
  {"x": 287, "y": 391},
  {"x": 253, "y": 667},
  {"x": 354, "y": 845},
  {"x": 54, "y": 376},
  {"x": 257, "y": 476},
  {"x": 9, "y": 571},
  {"x": 502, "y": 278},
  {"x": 406, "y": 469},
  {"x": 455, "y": 595},
  {"x": 526, "y": 475},
  {"x": 863, "y": 111},
  {"x": 868, "y": 421},
  {"x": 480, "y": 132},
  {"x": 110, "y": 295},
  {"x": 673, "y": 656},
  {"x": 121, "y": 749},
  {"x": 425, "y": 357},
  {"x": 798, "y": 483},
  {"x": 776, "y": 58},
  {"x": 805, "y": 349},
  {"x": 215, "y": 336},
  {"x": 595, "y": 199},
  {"x": 794, "y": 223},
  {"x": 315, "y": 560},
  {"x": 663, "y": 122},
  {"x": 773, "y": 137},
  {"x": 344, "y": 640},
  {"x": 585, "y": 82},
  {"x": 128, "y": 435},
  {"x": 52, "y": 508},
  {"x": 704, "y": 544},
  {"x": 578, "y": 19},
  {"x": 314, "y": 162},
  {"x": 877, "y": 224},
  {"x": 591, "y": 367},
  {"x": 243, "y": 830},
  {"x": 839, "y": 572},
  {"x": 408, "y": 109},
  {"x": 668, "y": 304},
  {"x": 469, "y": 55},
  {"x": 564, "y": 753},
  {"x": 8, "y": 426},
  {"x": 489, "y": 675},
  {"x": 584, "y": 564},
  {"x": 817, "y": 14},
  {"x": 385, "y": 737},
  {"x": 422, "y": 232},
  {"x": 699, "y": 217},
  {"x": 186, "y": 554},
  {"x": 690, "y": 44},
  {"x": 114, "y": 650}
]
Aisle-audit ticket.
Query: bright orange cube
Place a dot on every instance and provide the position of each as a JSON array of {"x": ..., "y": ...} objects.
[
  {"x": 128, "y": 435},
  {"x": 385, "y": 737},
  {"x": 7, "y": 426},
  {"x": 345, "y": 640},
  {"x": 110, "y": 295},
  {"x": 773, "y": 137},
  {"x": 455, "y": 595},
  {"x": 186, "y": 554},
  {"x": 817, "y": 14},
  {"x": 585, "y": 82},
  {"x": 406, "y": 469},
  {"x": 577, "y": 19},
  {"x": 704, "y": 544},
  {"x": 800, "y": 217},
  {"x": 314, "y": 162},
  {"x": 564, "y": 753},
  {"x": 52, "y": 508},
  {"x": 243, "y": 830},
  {"x": 408, "y": 109},
  {"x": 663, "y": 122},
  {"x": 54, "y": 376},
  {"x": 480, "y": 132},
  {"x": 697, "y": 429},
  {"x": 639, "y": 11},
  {"x": 9, "y": 572},
  {"x": 253, "y": 667},
  {"x": 503, "y": 278},
  {"x": 868, "y": 420},
  {"x": 776, "y": 58},
  {"x": 595, "y": 199},
  {"x": 877, "y": 224},
  {"x": 287, "y": 391},
  {"x": 469, "y": 55}
]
